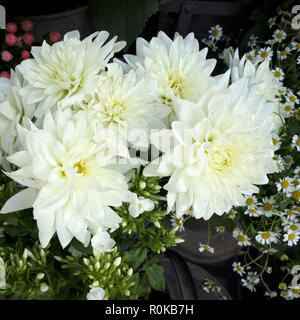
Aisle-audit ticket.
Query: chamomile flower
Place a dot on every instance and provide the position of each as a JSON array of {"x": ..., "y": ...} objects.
[
  {"x": 251, "y": 201},
  {"x": 279, "y": 164},
  {"x": 285, "y": 185},
  {"x": 253, "y": 212},
  {"x": 282, "y": 54},
  {"x": 291, "y": 97},
  {"x": 251, "y": 56},
  {"x": 291, "y": 238},
  {"x": 290, "y": 226},
  {"x": 139, "y": 205},
  {"x": 266, "y": 237},
  {"x": 297, "y": 171},
  {"x": 291, "y": 214},
  {"x": 220, "y": 229},
  {"x": 215, "y": 32},
  {"x": 231, "y": 214},
  {"x": 251, "y": 281},
  {"x": 276, "y": 141},
  {"x": 267, "y": 206},
  {"x": 278, "y": 74},
  {"x": 243, "y": 239},
  {"x": 296, "y": 142},
  {"x": 272, "y": 22},
  {"x": 238, "y": 268},
  {"x": 296, "y": 194},
  {"x": 295, "y": 46},
  {"x": 294, "y": 291},
  {"x": 265, "y": 54},
  {"x": 287, "y": 110},
  {"x": 279, "y": 35},
  {"x": 252, "y": 41},
  {"x": 206, "y": 247},
  {"x": 177, "y": 222},
  {"x": 288, "y": 161}
]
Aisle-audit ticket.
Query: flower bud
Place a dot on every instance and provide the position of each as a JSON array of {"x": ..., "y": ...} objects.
[
  {"x": 143, "y": 185},
  {"x": 54, "y": 36},
  {"x": 130, "y": 272},
  {"x": 117, "y": 261},
  {"x": 28, "y": 38},
  {"x": 44, "y": 287},
  {"x": 27, "y": 25},
  {"x": 25, "y": 54},
  {"x": 11, "y": 39}
]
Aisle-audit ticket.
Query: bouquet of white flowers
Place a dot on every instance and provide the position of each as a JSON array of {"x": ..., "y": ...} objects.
[{"x": 97, "y": 152}]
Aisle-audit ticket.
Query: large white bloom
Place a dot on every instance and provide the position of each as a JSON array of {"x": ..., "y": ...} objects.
[
  {"x": 69, "y": 185},
  {"x": 222, "y": 147},
  {"x": 13, "y": 108},
  {"x": 259, "y": 75},
  {"x": 179, "y": 67},
  {"x": 124, "y": 104},
  {"x": 65, "y": 72}
]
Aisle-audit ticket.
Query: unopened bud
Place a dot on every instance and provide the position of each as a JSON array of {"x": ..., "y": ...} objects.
[{"x": 117, "y": 261}]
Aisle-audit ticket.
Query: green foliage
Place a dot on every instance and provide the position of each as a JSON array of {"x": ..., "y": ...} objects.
[{"x": 125, "y": 18}]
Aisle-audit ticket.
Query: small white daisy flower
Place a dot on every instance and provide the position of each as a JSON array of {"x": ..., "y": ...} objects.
[
  {"x": 251, "y": 201},
  {"x": 138, "y": 205},
  {"x": 291, "y": 214},
  {"x": 294, "y": 291},
  {"x": 253, "y": 212},
  {"x": 296, "y": 142},
  {"x": 243, "y": 239},
  {"x": 238, "y": 268},
  {"x": 287, "y": 110},
  {"x": 297, "y": 171},
  {"x": 291, "y": 227},
  {"x": 252, "y": 41},
  {"x": 215, "y": 32},
  {"x": 291, "y": 97},
  {"x": 285, "y": 185},
  {"x": 265, "y": 54},
  {"x": 231, "y": 214},
  {"x": 279, "y": 35},
  {"x": 271, "y": 294},
  {"x": 291, "y": 238},
  {"x": 267, "y": 206},
  {"x": 220, "y": 229},
  {"x": 295, "y": 46},
  {"x": 205, "y": 247},
  {"x": 282, "y": 54},
  {"x": 276, "y": 141},
  {"x": 280, "y": 165},
  {"x": 278, "y": 74},
  {"x": 288, "y": 161},
  {"x": 272, "y": 22},
  {"x": 266, "y": 237},
  {"x": 177, "y": 222}
]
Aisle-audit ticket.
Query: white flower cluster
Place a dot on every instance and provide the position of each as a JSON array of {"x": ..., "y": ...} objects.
[{"x": 69, "y": 116}]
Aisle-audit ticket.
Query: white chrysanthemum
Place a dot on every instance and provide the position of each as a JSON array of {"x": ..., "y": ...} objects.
[
  {"x": 179, "y": 67},
  {"x": 65, "y": 72},
  {"x": 260, "y": 75},
  {"x": 12, "y": 110},
  {"x": 222, "y": 147},
  {"x": 70, "y": 186},
  {"x": 124, "y": 104}
]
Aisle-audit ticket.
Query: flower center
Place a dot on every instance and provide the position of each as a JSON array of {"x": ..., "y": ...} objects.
[
  {"x": 283, "y": 53},
  {"x": 178, "y": 222},
  {"x": 176, "y": 80},
  {"x": 292, "y": 236},
  {"x": 250, "y": 201},
  {"x": 264, "y": 54},
  {"x": 285, "y": 184},
  {"x": 241, "y": 238},
  {"x": 277, "y": 74},
  {"x": 266, "y": 235},
  {"x": 267, "y": 206},
  {"x": 296, "y": 195},
  {"x": 81, "y": 167}
]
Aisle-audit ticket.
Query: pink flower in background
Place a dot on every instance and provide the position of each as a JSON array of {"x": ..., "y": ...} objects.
[
  {"x": 11, "y": 39},
  {"x": 11, "y": 27},
  {"x": 54, "y": 36},
  {"x": 6, "y": 56},
  {"x": 5, "y": 74},
  {"x": 27, "y": 25},
  {"x": 28, "y": 38},
  {"x": 25, "y": 54}
]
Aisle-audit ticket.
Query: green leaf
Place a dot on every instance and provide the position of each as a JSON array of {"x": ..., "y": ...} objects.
[
  {"x": 135, "y": 257},
  {"x": 155, "y": 275},
  {"x": 124, "y": 18}
]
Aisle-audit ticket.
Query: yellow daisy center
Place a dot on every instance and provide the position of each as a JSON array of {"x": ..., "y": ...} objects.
[
  {"x": 241, "y": 238},
  {"x": 250, "y": 201},
  {"x": 267, "y": 206},
  {"x": 277, "y": 74},
  {"x": 283, "y": 53},
  {"x": 285, "y": 184},
  {"x": 215, "y": 32},
  {"x": 292, "y": 98},
  {"x": 292, "y": 236},
  {"x": 293, "y": 227},
  {"x": 279, "y": 35},
  {"x": 298, "y": 142},
  {"x": 81, "y": 167},
  {"x": 287, "y": 108},
  {"x": 264, "y": 54},
  {"x": 298, "y": 46},
  {"x": 178, "y": 222},
  {"x": 296, "y": 195},
  {"x": 266, "y": 235}
]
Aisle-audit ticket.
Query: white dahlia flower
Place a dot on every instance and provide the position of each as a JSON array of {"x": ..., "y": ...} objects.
[
  {"x": 68, "y": 183},
  {"x": 13, "y": 108},
  {"x": 179, "y": 67},
  {"x": 222, "y": 147},
  {"x": 125, "y": 104},
  {"x": 259, "y": 75},
  {"x": 64, "y": 74}
]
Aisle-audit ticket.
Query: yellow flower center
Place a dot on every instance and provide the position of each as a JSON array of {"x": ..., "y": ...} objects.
[
  {"x": 215, "y": 32},
  {"x": 241, "y": 238},
  {"x": 277, "y": 74},
  {"x": 279, "y": 35},
  {"x": 295, "y": 291},
  {"x": 250, "y": 201},
  {"x": 176, "y": 80},
  {"x": 285, "y": 184},
  {"x": 296, "y": 195},
  {"x": 298, "y": 46},
  {"x": 288, "y": 160},
  {"x": 267, "y": 206},
  {"x": 298, "y": 142},
  {"x": 252, "y": 210},
  {"x": 283, "y": 53},
  {"x": 293, "y": 227},
  {"x": 287, "y": 108},
  {"x": 266, "y": 235},
  {"x": 250, "y": 57},
  {"x": 292, "y": 236},
  {"x": 292, "y": 98},
  {"x": 264, "y": 54},
  {"x": 178, "y": 222},
  {"x": 290, "y": 213},
  {"x": 81, "y": 167}
]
